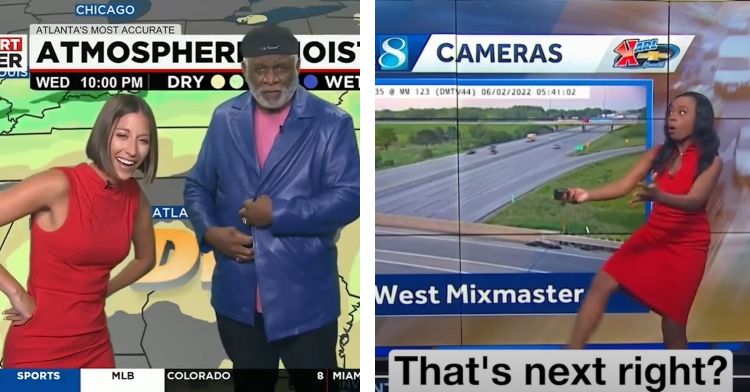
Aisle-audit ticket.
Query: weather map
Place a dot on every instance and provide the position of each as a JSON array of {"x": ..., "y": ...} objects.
[{"x": 164, "y": 320}]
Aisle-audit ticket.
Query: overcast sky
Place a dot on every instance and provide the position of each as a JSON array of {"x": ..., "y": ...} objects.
[{"x": 614, "y": 98}]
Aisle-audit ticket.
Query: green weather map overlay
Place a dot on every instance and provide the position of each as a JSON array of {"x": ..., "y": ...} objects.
[{"x": 172, "y": 326}]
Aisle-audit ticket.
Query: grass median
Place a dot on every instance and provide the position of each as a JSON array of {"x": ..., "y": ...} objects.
[
  {"x": 629, "y": 136},
  {"x": 399, "y": 144},
  {"x": 537, "y": 209}
]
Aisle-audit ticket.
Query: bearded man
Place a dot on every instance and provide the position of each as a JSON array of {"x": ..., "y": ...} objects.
[{"x": 276, "y": 178}]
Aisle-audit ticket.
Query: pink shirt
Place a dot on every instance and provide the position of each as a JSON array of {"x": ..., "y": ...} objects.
[{"x": 267, "y": 127}]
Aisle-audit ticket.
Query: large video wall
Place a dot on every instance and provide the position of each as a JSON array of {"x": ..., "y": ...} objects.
[{"x": 484, "y": 108}]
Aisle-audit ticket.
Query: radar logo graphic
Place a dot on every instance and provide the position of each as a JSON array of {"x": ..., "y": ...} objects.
[{"x": 393, "y": 54}]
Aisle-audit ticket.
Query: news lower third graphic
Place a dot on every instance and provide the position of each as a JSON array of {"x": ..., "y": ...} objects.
[
  {"x": 179, "y": 63},
  {"x": 560, "y": 370},
  {"x": 179, "y": 80},
  {"x": 551, "y": 54},
  {"x": 123, "y": 52},
  {"x": 158, "y": 380},
  {"x": 488, "y": 294},
  {"x": 343, "y": 380},
  {"x": 327, "y": 81}
]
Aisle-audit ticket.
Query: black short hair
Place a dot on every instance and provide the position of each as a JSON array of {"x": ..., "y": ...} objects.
[{"x": 98, "y": 145}]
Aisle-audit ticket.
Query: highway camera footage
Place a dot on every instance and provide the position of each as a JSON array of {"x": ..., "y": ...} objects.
[
  {"x": 510, "y": 153},
  {"x": 471, "y": 248}
]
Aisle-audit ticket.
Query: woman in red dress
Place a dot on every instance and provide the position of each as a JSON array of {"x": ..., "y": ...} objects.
[
  {"x": 663, "y": 262},
  {"x": 83, "y": 221}
]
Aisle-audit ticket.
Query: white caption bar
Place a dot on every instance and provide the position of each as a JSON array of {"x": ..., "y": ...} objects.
[
  {"x": 482, "y": 92},
  {"x": 560, "y": 370}
]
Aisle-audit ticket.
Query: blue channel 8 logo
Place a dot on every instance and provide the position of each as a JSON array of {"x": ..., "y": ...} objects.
[{"x": 393, "y": 54}]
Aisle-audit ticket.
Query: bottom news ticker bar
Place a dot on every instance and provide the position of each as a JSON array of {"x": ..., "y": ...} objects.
[
  {"x": 341, "y": 380},
  {"x": 177, "y": 380}
]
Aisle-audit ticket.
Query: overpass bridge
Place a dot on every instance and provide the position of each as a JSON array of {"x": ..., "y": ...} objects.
[{"x": 555, "y": 124}]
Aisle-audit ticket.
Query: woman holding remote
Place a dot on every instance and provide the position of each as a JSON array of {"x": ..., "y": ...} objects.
[{"x": 663, "y": 262}]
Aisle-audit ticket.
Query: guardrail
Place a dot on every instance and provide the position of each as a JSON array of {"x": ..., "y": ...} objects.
[
  {"x": 584, "y": 243},
  {"x": 505, "y": 233}
]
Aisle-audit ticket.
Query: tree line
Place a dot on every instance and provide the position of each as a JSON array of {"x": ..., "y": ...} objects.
[
  {"x": 470, "y": 136},
  {"x": 511, "y": 113},
  {"x": 385, "y": 137}
]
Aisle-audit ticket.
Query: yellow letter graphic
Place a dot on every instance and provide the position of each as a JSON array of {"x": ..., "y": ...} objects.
[{"x": 176, "y": 261}]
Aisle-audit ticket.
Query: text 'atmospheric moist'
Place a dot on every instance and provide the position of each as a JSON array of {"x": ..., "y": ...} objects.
[{"x": 559, "y": 370}]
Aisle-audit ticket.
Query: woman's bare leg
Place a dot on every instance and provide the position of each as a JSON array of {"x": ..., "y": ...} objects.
[
  {"x": 675, "y": 335},
  {"x": 592, "y": 309}
]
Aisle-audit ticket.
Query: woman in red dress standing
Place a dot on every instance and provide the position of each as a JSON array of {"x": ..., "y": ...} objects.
[
  {"x": 83, "y": 221},
  {"x": 663, "y": 262}
]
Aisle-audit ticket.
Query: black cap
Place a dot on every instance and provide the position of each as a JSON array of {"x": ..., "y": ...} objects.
[{"x": 269, "y": 40}]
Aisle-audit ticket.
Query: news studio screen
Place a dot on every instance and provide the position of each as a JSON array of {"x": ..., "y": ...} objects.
[
  {"x": 56, "y": 74},
  {"x": 483, "y": 110}
]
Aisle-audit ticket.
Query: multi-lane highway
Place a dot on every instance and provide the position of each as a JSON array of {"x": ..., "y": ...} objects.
[
  {"x": 471, "y": 187},
  {"x": 397, "y": 178}
]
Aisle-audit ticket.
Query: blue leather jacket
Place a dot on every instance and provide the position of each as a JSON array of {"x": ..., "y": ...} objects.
[{"x": 312, "y": 177}]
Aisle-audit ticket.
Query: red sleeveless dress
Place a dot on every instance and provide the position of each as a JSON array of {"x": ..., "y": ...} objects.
[
  {"x": 663, "y": 262},
  {"x": 68, "y": 277}
]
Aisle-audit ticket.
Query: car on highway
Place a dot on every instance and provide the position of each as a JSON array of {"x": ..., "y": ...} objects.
[
  {"x": 556, "y": 146},
  {"x": 471, "y": 152},
  {"x": 492, "y": 151}
]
